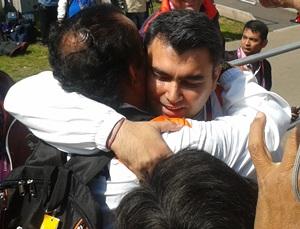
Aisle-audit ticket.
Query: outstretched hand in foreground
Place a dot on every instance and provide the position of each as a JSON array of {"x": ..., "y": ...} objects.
[
  {"x": 281, "y": 3},
  {"x": 277, "y": 206}
]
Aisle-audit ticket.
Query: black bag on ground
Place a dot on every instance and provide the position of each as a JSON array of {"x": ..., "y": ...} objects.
[{"x": 51, "y": 192}]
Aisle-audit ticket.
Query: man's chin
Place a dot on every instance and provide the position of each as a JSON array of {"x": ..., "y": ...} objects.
[
  {"x": 174, "y": 113},
  {"x": 247, "y": 53}
]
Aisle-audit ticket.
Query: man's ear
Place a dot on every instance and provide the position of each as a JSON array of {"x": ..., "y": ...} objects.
[
  {"x": 265, "y": 42},
  {"x": 216, "y": 74},
  {"x": 133, "y": 74}
]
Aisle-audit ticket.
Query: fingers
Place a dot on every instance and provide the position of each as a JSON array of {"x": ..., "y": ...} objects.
[
  {"x": 145, "y": 171},
  {"x": 279, "y": 3},
  {"x": 257, "y": 147},
  {"x": 291, "y": 147},
  {"x": 167, "y": 126}
]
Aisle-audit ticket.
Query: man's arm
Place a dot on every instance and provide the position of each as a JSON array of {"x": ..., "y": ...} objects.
[
  {"x": 68, "y": 121},
  {"x": 243, "y": 96},
  {"x": 76, "y": 124}
]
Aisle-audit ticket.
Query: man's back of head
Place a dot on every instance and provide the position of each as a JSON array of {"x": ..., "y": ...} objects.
[
  {"x": 191, "y": 189},
  {"x": 92, "y": 51}
]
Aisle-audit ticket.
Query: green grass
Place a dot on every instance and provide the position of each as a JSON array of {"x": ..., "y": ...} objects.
[
  {"x": 231, "y": 30},
  {"x": 35, "y": 59}
]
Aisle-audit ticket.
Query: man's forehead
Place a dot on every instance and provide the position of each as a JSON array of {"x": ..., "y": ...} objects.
[
  {"x": 160, "y": 45},
  {"x": 251, "y": 32}
]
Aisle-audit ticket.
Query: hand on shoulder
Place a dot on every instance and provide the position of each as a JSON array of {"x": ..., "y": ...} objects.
[{"x": 139, "y": 145}]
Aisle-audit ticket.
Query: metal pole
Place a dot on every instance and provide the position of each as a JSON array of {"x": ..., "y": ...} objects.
[{"x": 263, "y": 55}]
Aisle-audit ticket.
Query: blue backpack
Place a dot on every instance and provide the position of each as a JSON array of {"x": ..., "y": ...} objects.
[{"x": 74, "y": 6}]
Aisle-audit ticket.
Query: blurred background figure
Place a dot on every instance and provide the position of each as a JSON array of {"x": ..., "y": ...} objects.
[
  {"x": 297, "y": 19},
  {"x": 205, "y": 6},
  {"x": 68, "y": 8},
  {"x": 48, "y": 15},
  {"x": 136, "y": 10}
]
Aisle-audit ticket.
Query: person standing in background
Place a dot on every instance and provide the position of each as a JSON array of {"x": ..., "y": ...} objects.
[
  {"x": 136, "y": 11},
  {"x": 254, "y": 39},
  {"x": 68, "y": 8},
  {"x": 48, "y": 15},
  {"x": 205, "y": 6}
]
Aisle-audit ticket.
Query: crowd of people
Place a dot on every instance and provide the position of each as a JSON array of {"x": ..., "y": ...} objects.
[{"x": 106, "y": 84}]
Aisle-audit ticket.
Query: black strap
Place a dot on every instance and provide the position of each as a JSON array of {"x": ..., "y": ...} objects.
[
  {"x": 59, "y": 191},
  {"x": 88, "y": 166},
  {"x": 45, "y": 154}
]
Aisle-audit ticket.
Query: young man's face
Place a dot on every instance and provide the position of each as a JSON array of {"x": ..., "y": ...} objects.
[
  {"x": 179, "y": 85},
  {"x": 187, "y": 4},
  {"x": 251, "y": 42}
]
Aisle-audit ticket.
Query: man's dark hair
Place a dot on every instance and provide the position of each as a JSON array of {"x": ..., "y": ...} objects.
[
  {"x": 186, "y": 30},
  {"x": 191, "y": 190},
  {"x": 258, "y": 27},
  {"x": 91, "y": 53}
]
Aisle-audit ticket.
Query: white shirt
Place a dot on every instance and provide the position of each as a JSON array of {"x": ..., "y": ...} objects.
[
  {"x": 62, "y": 9},
  {"x": 76, "y": 124}
]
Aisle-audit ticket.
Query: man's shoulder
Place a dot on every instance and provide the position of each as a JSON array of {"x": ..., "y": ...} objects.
[
  {"x": 39, "y": 82},
  {"x": 231, "y": 55},
  {"x": 266, "y": 62},
  {"x": 42, "y": 76}
]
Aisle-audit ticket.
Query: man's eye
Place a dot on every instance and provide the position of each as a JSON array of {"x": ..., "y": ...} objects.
[
  {"x": 155, "y": 73},
  {"x": 160, "y": 77},
  {"x": 164, "y": 78},
  {"x": 191, "y": 84}
]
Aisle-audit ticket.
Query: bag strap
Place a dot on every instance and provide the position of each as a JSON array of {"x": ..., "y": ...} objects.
[
  {"x": 85, "y": 167},
  {"x": 59, "y": 191},
  {"x": 88, "y": 166},
  {"x": 45, "y": 154}
]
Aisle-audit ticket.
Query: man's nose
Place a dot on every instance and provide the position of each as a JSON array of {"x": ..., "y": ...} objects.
[
  {"x": 174, "y": 93},
  {"x": 247, "y": 42}
]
